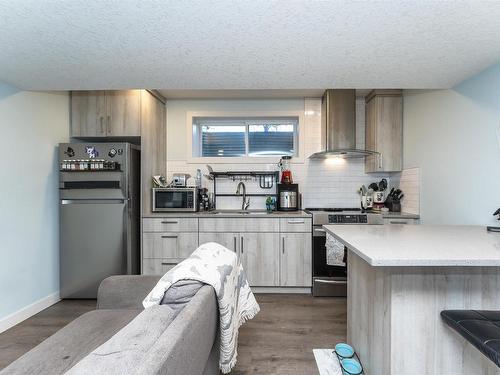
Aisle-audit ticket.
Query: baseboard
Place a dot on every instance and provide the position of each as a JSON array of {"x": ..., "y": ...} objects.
[
  {"x": 28, "y": 311},
  {"x": 279, "y": 290}
]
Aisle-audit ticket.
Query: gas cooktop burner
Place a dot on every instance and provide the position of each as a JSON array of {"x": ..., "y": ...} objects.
[{"x": 335, "y": 209}]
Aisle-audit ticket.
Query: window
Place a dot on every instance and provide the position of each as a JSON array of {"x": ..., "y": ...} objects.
[{"x": 240, "y": 137}]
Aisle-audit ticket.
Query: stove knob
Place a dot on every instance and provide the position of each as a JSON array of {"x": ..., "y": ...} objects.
[{"x": 112, "y": 153}]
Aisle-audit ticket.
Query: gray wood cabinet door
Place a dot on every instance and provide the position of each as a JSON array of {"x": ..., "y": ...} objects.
[
  {"x": 153, "y": 139},
  {"x": 156, "y": 266},
  {"x": 88, "y": 114},
  {"x": 260, "y": 258},
  {"x": 229, "y": 240},
  {"x": 384, "y": 131},
  {"x": 295, "y": 256},
  {"x": 123, "y": 113}
]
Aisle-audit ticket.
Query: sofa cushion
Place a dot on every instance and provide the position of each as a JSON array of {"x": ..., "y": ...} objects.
[
  {"x": 180, "y": 293},
  {"x": 126, "y": 350},
  {"x": 68, "y": 346}
]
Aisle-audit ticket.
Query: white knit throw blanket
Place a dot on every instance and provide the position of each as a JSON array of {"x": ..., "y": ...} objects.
[{"x": 217, "y": 266}]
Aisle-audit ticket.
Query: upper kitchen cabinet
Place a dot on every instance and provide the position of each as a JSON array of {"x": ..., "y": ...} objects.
[
  {"x": 88, "y": 112},
  {"x": 123, "y": 113},
  {"x": 384, "y": 130},
  {"x": 153, "y": 145},
  {"x": 106, "y": 113}
]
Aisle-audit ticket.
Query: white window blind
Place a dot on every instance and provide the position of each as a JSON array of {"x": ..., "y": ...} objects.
[{"x": 237, "y": 137}]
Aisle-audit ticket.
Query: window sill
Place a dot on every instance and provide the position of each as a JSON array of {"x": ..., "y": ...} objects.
[{"x": 242, "y": 160}]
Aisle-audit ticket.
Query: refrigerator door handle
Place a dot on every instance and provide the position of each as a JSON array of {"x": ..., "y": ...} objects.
[{"x": 93, "y": 201}]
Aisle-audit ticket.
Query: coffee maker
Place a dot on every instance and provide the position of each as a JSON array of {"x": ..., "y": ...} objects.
[{"x": 288, "y": 197}]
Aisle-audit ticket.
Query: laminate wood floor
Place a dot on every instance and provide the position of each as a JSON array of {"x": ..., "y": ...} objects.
[{"x": 279, "y": 340}]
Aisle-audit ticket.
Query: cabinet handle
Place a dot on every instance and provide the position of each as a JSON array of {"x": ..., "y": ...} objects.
[
  {"x": 398, "y": 222},
  {"x": 101, "y": 119},
  {"x": 380, "y": 160},
  {"x": 169, "y": 236},
  {"x": 241, "y": 244},
  {"x": 296, "y": 221},
  {"x": 235, "y": 244},
  {"x": 167, "y": 263},
  {"x": 283, "y": 243},
  {"x": 108, "y": 124},
  {"x": 170, "y": 222}
]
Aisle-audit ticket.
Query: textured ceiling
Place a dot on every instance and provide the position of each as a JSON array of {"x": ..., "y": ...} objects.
[{"x": 81, "y": 44}]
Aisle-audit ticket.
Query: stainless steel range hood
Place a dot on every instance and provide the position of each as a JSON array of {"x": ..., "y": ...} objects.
[{"x": 338, "y": 131}]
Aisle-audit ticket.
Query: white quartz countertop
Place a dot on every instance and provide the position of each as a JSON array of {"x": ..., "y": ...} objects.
[{"x": 420, "y": 245}]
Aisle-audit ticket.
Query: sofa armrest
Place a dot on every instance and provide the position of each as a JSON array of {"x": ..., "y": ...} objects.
[{"x": 125, "y": 291}]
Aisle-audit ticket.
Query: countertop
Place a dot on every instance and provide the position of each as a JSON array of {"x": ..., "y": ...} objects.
[
  {"x": 420, "y": 245},
  {"x": 230, "y": 213}
]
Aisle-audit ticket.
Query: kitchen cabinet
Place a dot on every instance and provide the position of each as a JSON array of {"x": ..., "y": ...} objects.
[
  {"x": 384, "y": 130},
  {"x": 274, "y": 251},
  {"x": 239, "y": 224},
  {"x": 88, "y": 111},
  {"x": 228, "y": 240},
  {"x": 123, "y": 113},
  {"x": 167, "y": 245},
  {"x": 153, "y": 146},
  {"x": 106, "y": 113},
  {"x": 259, "y": 253},
  {"x": 295, "y": 259},
  {"x": 156, "y": 266},
  {"x": 170, "y": 224}
]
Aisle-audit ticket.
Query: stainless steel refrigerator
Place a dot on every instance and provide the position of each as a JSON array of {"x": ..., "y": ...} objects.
[{"x": 99, "y": 186}]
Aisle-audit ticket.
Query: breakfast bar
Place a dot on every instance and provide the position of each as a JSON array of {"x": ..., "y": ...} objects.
[{"x": 400, "y": 277}]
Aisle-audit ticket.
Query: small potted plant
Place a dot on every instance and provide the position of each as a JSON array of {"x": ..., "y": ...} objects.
[{"x": 270, "y": 204}]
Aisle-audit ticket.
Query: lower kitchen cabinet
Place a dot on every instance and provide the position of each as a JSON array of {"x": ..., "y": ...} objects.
[
  {"x": 259, "y": 254},
  {"x": 296, "y": 257},
  {"x": 157, "y": 266},
  {"x": 169, "y": 245},
  {"x": 228, "y": 240},
  {"x": 269, "y": 257}
]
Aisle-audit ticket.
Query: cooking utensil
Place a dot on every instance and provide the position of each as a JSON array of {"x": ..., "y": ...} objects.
[
  {"x": 373, "y": 186},
  {"x": 266, "y": 182},
  {"x": 382, "y": 185},
  {"x": 209, "y": 176}
]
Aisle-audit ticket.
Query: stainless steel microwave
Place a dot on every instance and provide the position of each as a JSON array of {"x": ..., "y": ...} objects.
[{"x": 175, "y": 199}]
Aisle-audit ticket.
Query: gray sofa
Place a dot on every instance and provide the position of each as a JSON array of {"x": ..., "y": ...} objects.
[{"x": 120, "y": 337}]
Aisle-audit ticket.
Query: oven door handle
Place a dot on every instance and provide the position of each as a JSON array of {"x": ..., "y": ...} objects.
[{"x": 337, "y": 282}]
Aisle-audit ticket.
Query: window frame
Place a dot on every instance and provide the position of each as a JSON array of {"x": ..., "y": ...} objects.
[{"x": 194, "y": 137}]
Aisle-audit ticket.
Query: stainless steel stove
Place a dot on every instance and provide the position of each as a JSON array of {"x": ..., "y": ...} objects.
[
  {"x": 324, "y": 216},
  {"x": 332, "y": 280}
]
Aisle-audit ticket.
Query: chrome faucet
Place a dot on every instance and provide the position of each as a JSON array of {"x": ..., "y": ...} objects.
[{"x": 244, "y": 203}]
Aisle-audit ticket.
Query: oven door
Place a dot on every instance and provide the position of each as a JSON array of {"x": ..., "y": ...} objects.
[
  {"x": 328, "y": 281},
  {"x": 168, "y": 199}
]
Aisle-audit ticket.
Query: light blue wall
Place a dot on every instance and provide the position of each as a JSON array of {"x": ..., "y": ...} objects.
[
  {"x": 452, "y": 136},
  {"x": 31, "y": 125}
]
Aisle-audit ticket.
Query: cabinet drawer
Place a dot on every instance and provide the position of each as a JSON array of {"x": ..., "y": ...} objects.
[
  {"x": 239, "y": 224},
  {"x": 298, "y": 224},
  {"x": 399, "y": 221},
  {"x": 170, "y": 224},
  {"x": 156, "y": 266},
  {"x": 169, "y": 244}
]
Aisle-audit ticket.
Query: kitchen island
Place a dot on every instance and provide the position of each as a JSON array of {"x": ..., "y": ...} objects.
[{"x": 400, "y": 277}]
